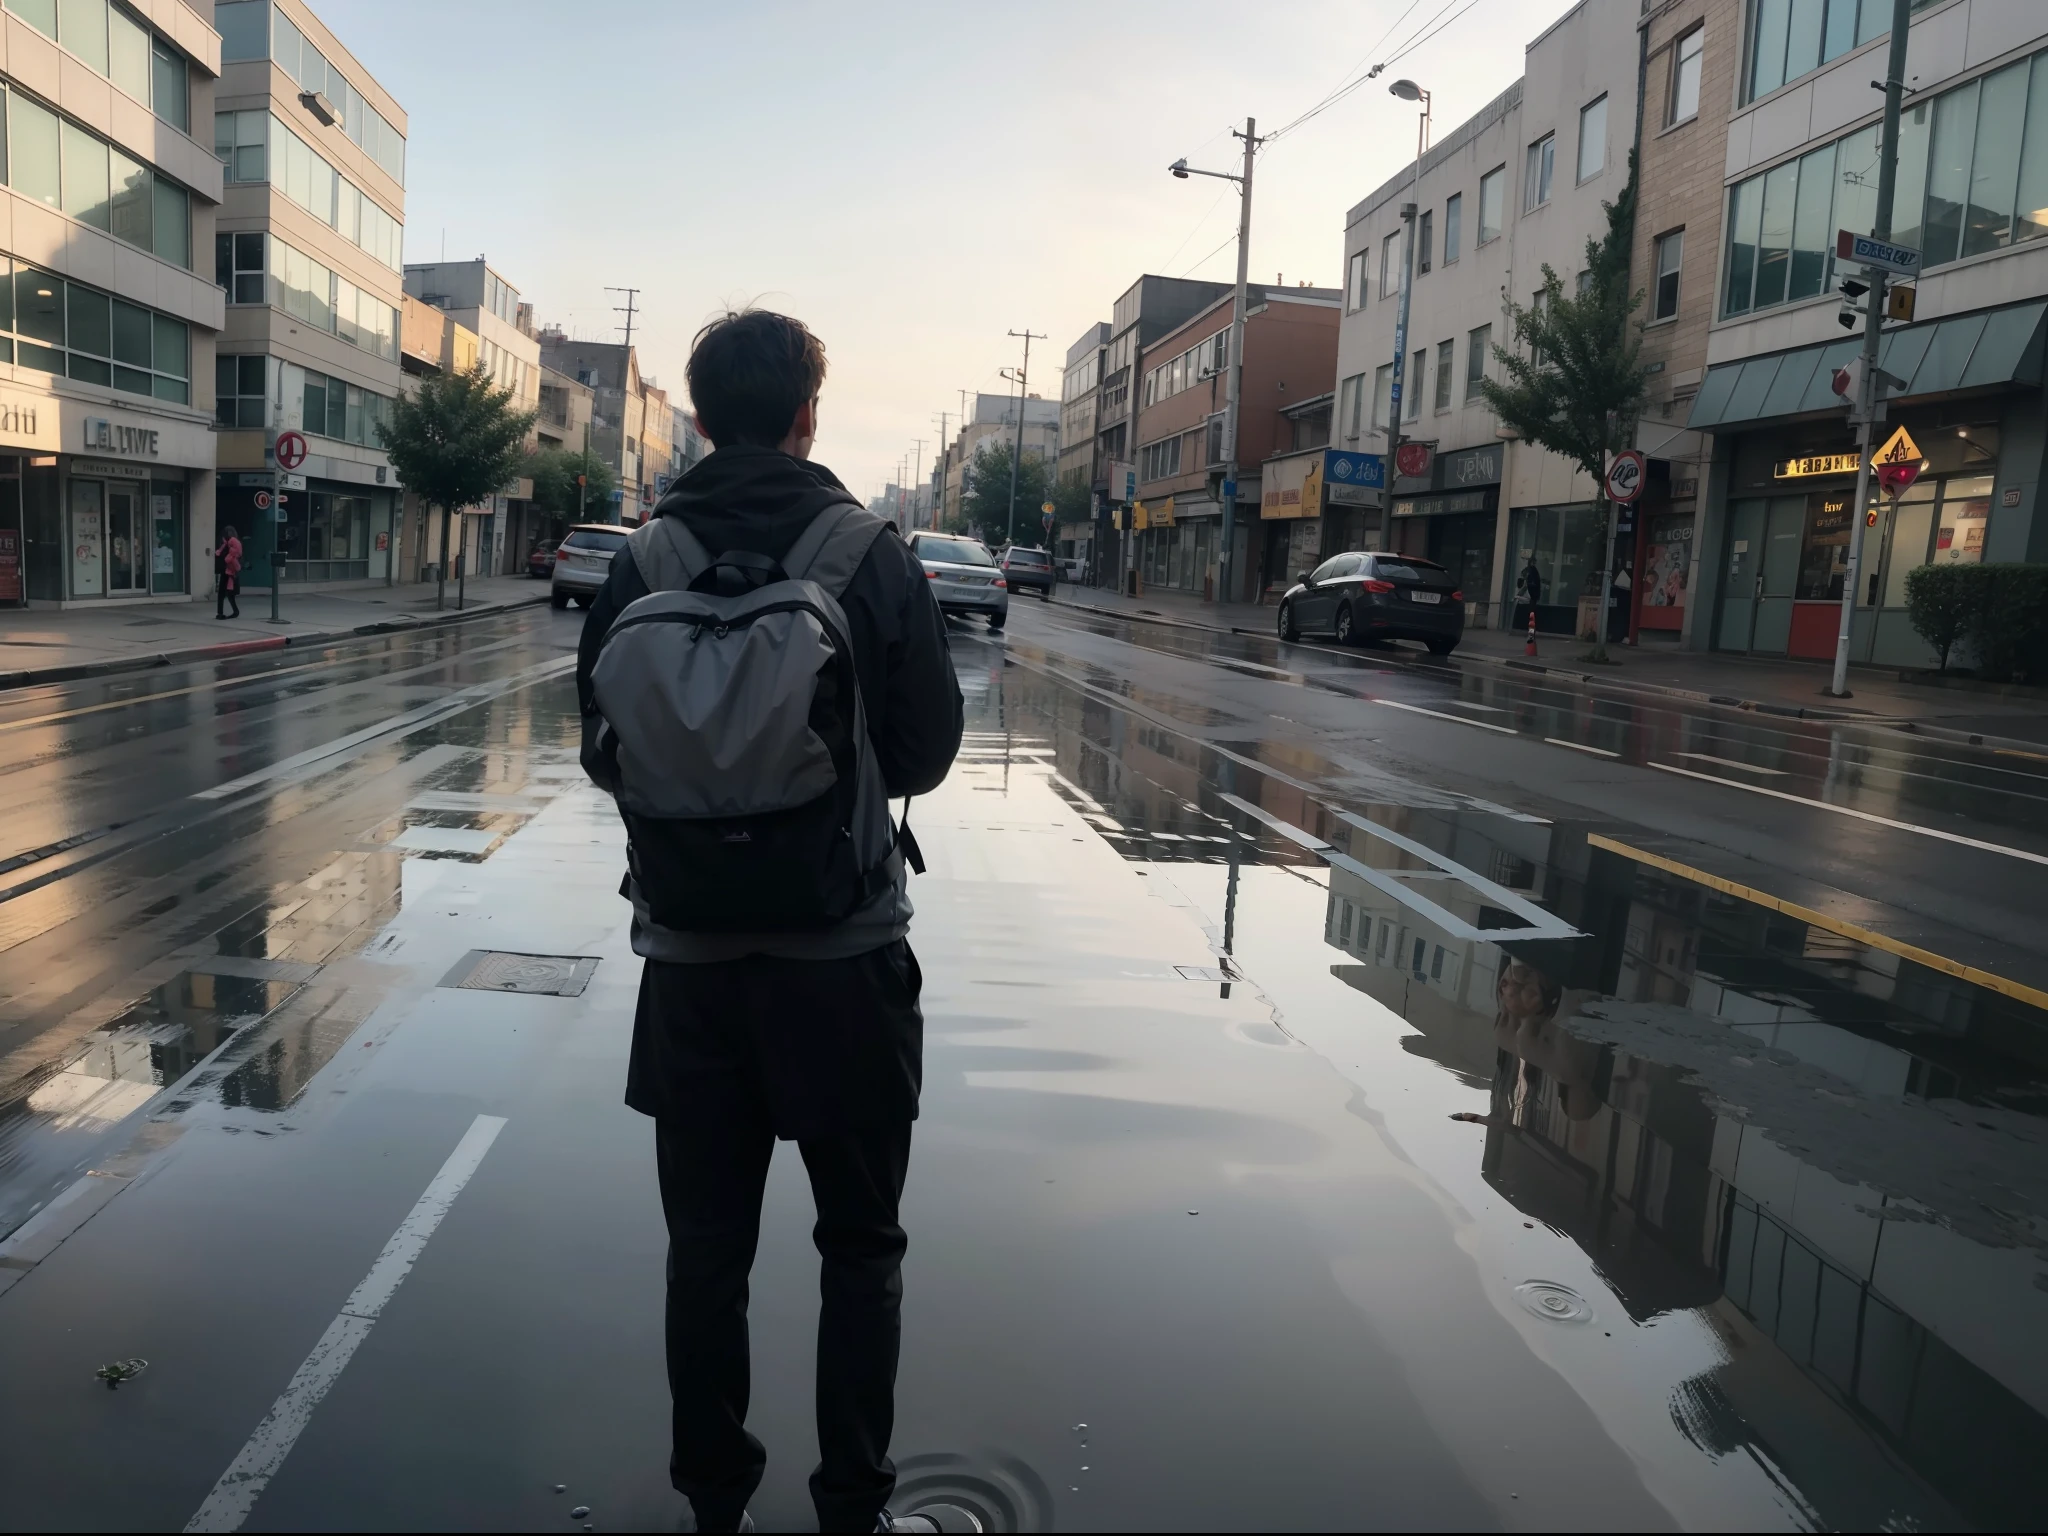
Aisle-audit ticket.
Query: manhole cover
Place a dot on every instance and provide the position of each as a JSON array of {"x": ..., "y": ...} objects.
[{"x": 494, "y": 970}]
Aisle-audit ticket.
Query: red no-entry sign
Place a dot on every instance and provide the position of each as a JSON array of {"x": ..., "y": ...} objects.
[{"x": 291, "y": 450}]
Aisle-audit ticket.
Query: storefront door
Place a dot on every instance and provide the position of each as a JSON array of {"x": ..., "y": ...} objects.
[
  {"x": 166, "y": 537},
  {"x": 88, "y": 538},
  {"x": 128, "y": 556}
]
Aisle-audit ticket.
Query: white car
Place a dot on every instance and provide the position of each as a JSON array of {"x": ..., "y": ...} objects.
[
  {"x": 964, "y": 576},
  {"x": 583, "y": 563}
]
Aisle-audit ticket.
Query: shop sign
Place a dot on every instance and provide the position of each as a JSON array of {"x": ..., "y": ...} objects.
[
  {"x": 1352, "y": 479},
  {"x": 1814, "y": 466},
  {"x": 1684, "y": 490},
  {"x": 24, "y": 419},
  {"x": 104, "y": 436},
  {"x": 108, "y": 470},
  {"x": 1437, "y": 506},
  {"x": 1472, "y": 466}
]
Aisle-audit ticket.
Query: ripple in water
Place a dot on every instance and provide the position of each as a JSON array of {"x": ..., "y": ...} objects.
[{"x": 1553, "y": 1302}]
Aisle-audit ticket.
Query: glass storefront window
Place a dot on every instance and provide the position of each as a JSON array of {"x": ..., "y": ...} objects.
[
  {"x": 1965, "y": 513},
  {"x": 1911, "y": 524},
  {"x": 1824, "y": 556},
  {"x": 1564, "y": 544}
]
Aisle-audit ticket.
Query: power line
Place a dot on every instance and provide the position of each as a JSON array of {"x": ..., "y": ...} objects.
[
  {"x": 1411, "y": 47},
  {"x": 1345, "y": 82},
  {"x": 1428, "y": 29}
]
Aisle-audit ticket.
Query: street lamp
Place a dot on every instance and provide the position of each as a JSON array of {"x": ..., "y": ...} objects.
[
  {"x": 1181, "y": 171},
  {"x": 1406, "y": 90}
]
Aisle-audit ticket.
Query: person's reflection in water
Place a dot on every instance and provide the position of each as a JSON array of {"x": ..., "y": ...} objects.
[{"x": 1534, "y": 1046}]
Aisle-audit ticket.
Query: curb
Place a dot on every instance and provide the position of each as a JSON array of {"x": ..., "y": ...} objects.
[
  {"x": 226, "y": 650},
  {"x": 1662, "y": 690}
]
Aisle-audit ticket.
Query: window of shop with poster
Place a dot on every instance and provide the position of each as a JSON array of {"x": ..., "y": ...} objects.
[
  {"x": 13, "y": 582},
  {"x": 1563, "y": 546},
  {"x": 336, "y": 535},
  {"x": 1666, "y": 570}
]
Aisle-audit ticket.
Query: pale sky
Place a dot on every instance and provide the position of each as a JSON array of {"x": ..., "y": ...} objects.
[{"x": 911, "y": 180}]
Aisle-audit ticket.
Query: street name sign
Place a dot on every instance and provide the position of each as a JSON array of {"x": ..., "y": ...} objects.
[{"x": 1868, "y": 251}]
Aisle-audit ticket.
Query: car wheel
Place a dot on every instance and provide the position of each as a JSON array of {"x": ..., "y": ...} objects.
[
  {"x": 558, "y": 599},
  {"x": 1343, "y": 631},
  {"x": 582, "y": 602},
  {"x": 995, "y": 626},
  {"x": 1288, "y": 630},
  {"x": 1045, "y": 594},
  {"x": 1440, "y": 647}
]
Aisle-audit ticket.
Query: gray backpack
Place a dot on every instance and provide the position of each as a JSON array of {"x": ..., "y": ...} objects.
[{"x": 733, "y": 723}]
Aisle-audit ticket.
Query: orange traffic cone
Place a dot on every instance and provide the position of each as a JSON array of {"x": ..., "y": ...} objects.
[{"x": 1530, "y": 648}]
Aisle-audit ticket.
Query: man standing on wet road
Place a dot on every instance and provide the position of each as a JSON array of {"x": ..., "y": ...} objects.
[{"x": 813, "y": 1036}]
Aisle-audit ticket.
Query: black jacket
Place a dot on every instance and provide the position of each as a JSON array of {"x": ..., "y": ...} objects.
[{"x": 759, "y": 500}]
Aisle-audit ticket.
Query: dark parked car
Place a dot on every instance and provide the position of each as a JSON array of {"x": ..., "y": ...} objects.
[
  {"x": 1029, "y": 570},
  {"x": 540, "y": 564},
  {"x": 1363, "y": 596}
]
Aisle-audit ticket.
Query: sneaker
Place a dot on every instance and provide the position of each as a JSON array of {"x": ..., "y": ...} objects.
[{"x": 930, "y": 1518}]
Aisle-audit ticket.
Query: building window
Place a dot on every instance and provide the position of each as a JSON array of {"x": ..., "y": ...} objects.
[
  {"x": 1685, "y": 76},
  {"x": 1350, "y": 398},
  {"x": 1382, "y": 396},
  {"x": 1411, "y": 387},
  {"x": 1972, "y": 178},
  {"x": 1454, "y": 218},
  {"x": 1478, "y": 347},
  {"x": 1424, "y": 238},
  {"x": 329, "y": 407},
  {"x": 119, "y": 45},
  {"x": 1592, "y": 139},
  {"x": 1446, "y": 365},
  {"x": 1491, "y": 208},
  {"x": 77, "y": 332},
  {"x": 56, "y": 162},
  {"x": 239, "y": 140},
  {"x": 1670, "y": 256},
  {"x": 1390, "y": 265},
  {"x": 298, "y": 56},
  {"x": 1790, "y": 39},
  {"x": 239, "y": 267},
  {"x": 298, "y": 170},
  {"x": 1158, "y": 461},
  {"x": 1355, "y": 283},
  {"x": 1541, "y": 166}
]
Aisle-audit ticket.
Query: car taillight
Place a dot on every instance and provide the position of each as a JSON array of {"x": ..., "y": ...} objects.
[
  {"x": 1457, "y": 597},
  {"x": 931, "y": 575},
  {"x": 1379, "y": 586},
  {"x": 561, "y": 555},
  {"x": 1002, "y": 583}
]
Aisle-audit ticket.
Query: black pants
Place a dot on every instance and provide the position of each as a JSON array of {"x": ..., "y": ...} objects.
[
  {"x": 727, "y": 1058},
  {"x": 228, "y": 592}
]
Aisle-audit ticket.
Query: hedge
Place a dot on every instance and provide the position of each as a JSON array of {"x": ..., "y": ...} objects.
[{"x": 2000, "y": 610}]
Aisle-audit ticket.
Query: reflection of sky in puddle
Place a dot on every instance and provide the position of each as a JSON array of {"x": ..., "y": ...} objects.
[{"x": 1789, "y": 1171}]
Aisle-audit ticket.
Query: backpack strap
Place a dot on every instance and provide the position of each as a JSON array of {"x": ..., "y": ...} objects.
[
  {"x": 670, "y": 557},
  {"x": 831, "y": 549}
]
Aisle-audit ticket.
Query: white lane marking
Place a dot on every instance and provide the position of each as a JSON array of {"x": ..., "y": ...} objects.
[
  {"x": 1844, "y": 810},
  {"x": 1580, "y": 746},
  {"x": 235, "y": 1495},
  {"x": 1731, "y": 762},
  {"x": 1491, "y": 709},
  {"x": 400, "y": 724},
  {"x": 1437, "y": 714}
]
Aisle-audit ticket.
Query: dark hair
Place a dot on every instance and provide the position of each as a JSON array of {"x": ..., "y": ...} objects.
[
  {"x": 228, "y": 532},
  {"x": 750, "y": 372}
]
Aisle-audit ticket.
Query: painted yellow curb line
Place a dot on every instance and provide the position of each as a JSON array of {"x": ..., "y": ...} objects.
[{"x": 2013, "y": 989}]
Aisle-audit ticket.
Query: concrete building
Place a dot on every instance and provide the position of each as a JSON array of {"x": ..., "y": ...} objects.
[
  {"x": 1517, "y": 186},
  {"x": 1145, "y": 311},
  {"x": 429, "y": 343},
  {"x": 1290, "y": 355},
  {"x": 1080, "y": 405},
  {"x": 620, "y": 418},
  {"x": 1691, "y": 52},
  {"x": 107, "y": 361},
  {"x": 565, "y": 407},
  {"x": 498, "y": 535},
  {"x": 308, "y": 250},
  {"x": 995, "y": 421},
  {"x": 1801, "y": 163}
]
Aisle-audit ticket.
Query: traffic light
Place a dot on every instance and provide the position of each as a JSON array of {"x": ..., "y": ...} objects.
[
  {"x": 1851, "y": 292},
  {"x": 1898, "y": 303}
]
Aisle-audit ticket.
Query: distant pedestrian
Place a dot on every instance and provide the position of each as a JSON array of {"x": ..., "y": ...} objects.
[
  {"x": 227, "y": 575},
  {"x": 753, "y": 711},
  {"x": 1532, "y": 583}
]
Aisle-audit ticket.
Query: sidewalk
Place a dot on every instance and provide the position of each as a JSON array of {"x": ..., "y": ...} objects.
[
  {"x": 1881, "y": 694},
  {"x": 48, "y": 645}
]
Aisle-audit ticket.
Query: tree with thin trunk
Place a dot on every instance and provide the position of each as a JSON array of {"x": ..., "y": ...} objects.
[
  {"x": 1575, "y": 383},
  {"x": 985, "y": 505},
  {"x": 455, "y": 441},
  {"x": 572, "y": 485}
]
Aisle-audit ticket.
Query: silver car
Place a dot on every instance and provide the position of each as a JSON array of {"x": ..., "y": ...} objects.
[
  {"x": 583, "y": 563},
  {"x": 964, "y": 576}
]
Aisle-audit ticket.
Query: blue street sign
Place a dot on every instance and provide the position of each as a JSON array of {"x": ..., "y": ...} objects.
[
  {"x": 1366, "y": 469},
  {"x": 1230, "y": 490}
]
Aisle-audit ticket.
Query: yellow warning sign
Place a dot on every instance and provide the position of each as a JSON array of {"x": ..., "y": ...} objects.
[{"x": 1899, "y": 448}]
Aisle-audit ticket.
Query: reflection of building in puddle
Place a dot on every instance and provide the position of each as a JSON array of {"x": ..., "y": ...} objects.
[
  {"x": 152, "y": 1045},
  {"x": 270, "y": 1067},
  {"x": 1848, "y": 1319}
]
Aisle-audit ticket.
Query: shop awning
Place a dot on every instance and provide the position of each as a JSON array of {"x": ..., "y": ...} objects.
[{"x": 1983, "y": 350}]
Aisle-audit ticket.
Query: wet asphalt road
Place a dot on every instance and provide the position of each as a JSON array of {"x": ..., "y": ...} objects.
[{"x": 1743, "y": 1226}]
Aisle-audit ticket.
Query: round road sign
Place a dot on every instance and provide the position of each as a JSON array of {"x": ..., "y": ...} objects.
[
  {"x": 263, "y": 501},
  {"x": 1625, "y": 476},
  {"x": 291, "y": 450},
  {"x": 1411, "y": 460}
]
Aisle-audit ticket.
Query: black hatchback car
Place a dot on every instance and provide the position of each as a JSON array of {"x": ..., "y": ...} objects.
[
  {"x": 1029, "y": 570},
  {"x": 1363, "y": 596}
]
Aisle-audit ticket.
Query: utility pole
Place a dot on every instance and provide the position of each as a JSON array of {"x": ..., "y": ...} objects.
[
  {"x": 1870, "y": 390},
  {"x": 1408, "y": 210},
  {"x": 939, "y": 474},
  {"x": 1017, "y": 461},
  {"x": 625, "y": 381},
  {"x": 916, "y": 462}
]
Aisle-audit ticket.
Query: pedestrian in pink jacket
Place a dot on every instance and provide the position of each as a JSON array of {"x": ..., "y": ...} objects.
[{"x": 227, "y": 572}]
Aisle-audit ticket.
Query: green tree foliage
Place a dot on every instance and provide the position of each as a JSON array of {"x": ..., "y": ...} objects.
[
  {"x": 455, "y": 441},
  {"x": 555, "y": 491},
  {"x": 1575, "y": 383},
  {"x": 1072, "y": 501},
  {"x": 2000, "y": 609},
  {"x": 985, "y": 505}
]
